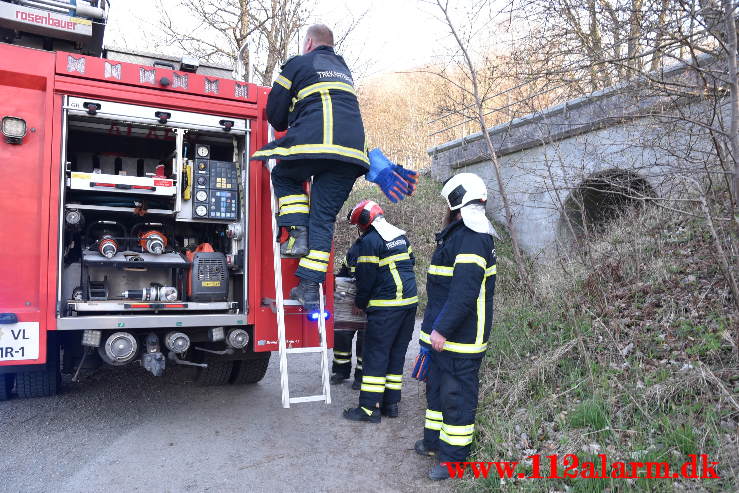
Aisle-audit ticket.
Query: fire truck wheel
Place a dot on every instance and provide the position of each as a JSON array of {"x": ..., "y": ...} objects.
[
  {"x": 6, "y": 385},
  {"x": 38, "y": 383},
  {"x": 250, "y": 370},
  {"x": 217, "y": 372}
]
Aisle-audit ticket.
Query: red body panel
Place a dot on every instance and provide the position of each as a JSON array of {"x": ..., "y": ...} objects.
[
  {"x": 32, "y": 84},
  {"x": 26, "y": 82}
]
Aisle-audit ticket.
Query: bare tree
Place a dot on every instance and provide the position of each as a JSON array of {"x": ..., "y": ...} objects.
[
  {"x": 219, "y": 31},
  {"x": 478, "y": 105}
]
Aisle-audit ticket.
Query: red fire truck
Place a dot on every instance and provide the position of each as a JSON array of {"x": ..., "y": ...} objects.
[{"x": 135, "y": 229}]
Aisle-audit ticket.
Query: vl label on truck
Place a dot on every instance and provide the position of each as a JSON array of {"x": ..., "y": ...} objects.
[{"x": 19, "y": 341}]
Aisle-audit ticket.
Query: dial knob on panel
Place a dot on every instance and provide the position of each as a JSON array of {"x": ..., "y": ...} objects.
[
  {"x": 203, "y": 151},
  {"x": 201, "y": 211},
  {"x": 201, "y": 166},
  {"x": 201, "y": 180},
  {"x": 201, "y": 196}
]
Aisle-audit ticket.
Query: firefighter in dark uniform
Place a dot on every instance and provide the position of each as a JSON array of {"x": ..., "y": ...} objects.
[
  {"x": 342, "y": 364},
  {"x": 386, "y": 289},
  {"x": 457, "y": 322},
  {"x": 314, "y": 100}
]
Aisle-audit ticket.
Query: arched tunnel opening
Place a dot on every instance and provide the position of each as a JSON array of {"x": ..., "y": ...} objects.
[{"x": 601, "y": 198}]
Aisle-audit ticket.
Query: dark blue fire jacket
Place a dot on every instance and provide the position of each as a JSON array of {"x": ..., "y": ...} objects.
[
  {"x": 314, "y": 100},
  {"x": 460, "y": 287},
  {"x": 385, "y": 277}
]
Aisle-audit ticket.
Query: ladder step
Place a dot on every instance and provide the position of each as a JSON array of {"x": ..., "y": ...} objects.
[
  {"x": 317, "y": 349},
  {"x": 309, "y": 398}
]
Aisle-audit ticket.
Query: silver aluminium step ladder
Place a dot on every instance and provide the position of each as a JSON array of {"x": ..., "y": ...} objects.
[{"x": 279, "y": 308}]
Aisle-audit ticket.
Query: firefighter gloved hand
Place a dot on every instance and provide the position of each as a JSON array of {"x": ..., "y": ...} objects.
[
  {"x": 421, "y": 367},
  {"x": 383, "y": 173}
]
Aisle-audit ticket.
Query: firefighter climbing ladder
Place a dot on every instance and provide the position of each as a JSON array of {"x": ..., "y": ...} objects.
[{"x": 280, "y": 304}]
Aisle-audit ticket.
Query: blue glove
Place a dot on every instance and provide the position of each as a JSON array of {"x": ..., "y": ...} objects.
[
  {"x": 421, "y": 367},
  {"x": 395, "y": 181}
]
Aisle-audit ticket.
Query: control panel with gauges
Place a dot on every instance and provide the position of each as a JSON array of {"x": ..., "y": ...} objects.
[{"x": 215, "y": 187}]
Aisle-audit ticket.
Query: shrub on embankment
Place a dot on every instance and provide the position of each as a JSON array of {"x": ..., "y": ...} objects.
[{"x": 626, "y": 350}]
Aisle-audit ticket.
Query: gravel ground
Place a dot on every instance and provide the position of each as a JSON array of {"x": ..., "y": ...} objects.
[{"x": 125, "y": 430}]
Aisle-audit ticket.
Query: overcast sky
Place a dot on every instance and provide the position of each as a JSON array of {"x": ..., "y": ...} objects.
[{"x": 393, "y": 35}]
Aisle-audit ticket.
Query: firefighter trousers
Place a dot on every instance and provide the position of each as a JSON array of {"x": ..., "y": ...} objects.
[
  {"x": 332, "y": 182},
  {"x": 451, "y": 396},
  {"x": 386, "y": 341},
  {"x": 342, "y": 364}
]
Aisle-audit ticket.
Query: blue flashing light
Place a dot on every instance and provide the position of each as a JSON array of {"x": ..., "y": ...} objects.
[{"x": 313, "y": 316}]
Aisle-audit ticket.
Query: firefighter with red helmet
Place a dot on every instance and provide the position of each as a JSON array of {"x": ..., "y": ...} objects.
[
  {"x": 386, "y": 289},
  {"x": 457, "y": 321}
]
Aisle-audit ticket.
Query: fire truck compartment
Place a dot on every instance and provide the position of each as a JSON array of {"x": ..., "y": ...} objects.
[{"x": 152, "y": 217}]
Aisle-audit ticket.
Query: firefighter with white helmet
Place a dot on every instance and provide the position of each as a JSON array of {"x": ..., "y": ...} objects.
[
  {"x": 457, "y": 322},
  {"x": 386, "y": 289}
]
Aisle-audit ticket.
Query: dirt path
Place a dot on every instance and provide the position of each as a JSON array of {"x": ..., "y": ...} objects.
[{"x": 126, "y": 431}]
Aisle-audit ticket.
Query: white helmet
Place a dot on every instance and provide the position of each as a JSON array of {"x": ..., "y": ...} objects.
[{"x": 461, "y": 189}]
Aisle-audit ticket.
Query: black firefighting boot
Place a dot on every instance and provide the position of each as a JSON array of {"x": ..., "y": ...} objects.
[
  {"x": 390, "y": 410},
  {"x": 362, "y": 414},
  {"x": 337, "y": 378},
  {"x": 357, "y": 384},
  {"x": 307, "y": 294},
  {"x": 296, "y": 244},
  {"x": 439, "y": 472},
  {"x": 422, "y": 449}
]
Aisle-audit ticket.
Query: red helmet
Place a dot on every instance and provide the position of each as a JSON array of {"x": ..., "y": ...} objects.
[{"x": 364, "y": 213}]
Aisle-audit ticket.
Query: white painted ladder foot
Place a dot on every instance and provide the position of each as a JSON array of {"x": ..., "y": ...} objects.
[{"x": 279, "y": 304}]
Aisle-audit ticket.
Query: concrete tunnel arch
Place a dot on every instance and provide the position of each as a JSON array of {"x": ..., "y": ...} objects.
[{"x": 600, "y": 198}]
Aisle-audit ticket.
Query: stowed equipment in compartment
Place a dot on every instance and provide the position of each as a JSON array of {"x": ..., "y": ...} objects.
[{"x": 151, "y": 212}]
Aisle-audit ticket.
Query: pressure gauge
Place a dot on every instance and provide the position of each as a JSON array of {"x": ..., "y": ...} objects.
[
  {"x": 201, "y": 211},
  {"x": 201, "y": 196},
  {"x": 202, "y": 151}
]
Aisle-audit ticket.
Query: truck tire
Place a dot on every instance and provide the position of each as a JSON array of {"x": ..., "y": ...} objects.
[
  {"x": 6, "y": 385},
  {"x": 38, "y": 383},
  {"x": 250, "y": 370},
  {"x": 217, "y": 372}
]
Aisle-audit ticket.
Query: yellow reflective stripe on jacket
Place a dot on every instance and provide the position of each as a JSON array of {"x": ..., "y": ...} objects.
[
  {"x": 342, "y": 353},
  {"x": 394, "y": 385},
  {"x": 435, "y": 415},
  {"x": 313, "y": 265},
  {"x": 457, "y": 347},
  {"x": 367, "y": 259},
  {"x": 284, "y": 82},
  {"x": 400, "y": 302},
  {"x": 371, "y": 379},
  {"x": 315, "y": 149},
  {"x": 394, "y": 258},
  {"x": 318, "y": 255},
  {"x": 323, "y": 86},
  {"x": 294, "y": 209},
  {"x": 398, "y": 282},
  {"x": 292, "y": 199},
  {"x": 491, "y": 271},
  {"x": 470, "y": 258},
  {"x": 441, "y": 270},
  {"x": 328, "y": 118},
  {"x": 432, "y": 425},
  {"x": 394, "y": 378},
  {"x": 341, "y": 361}
]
